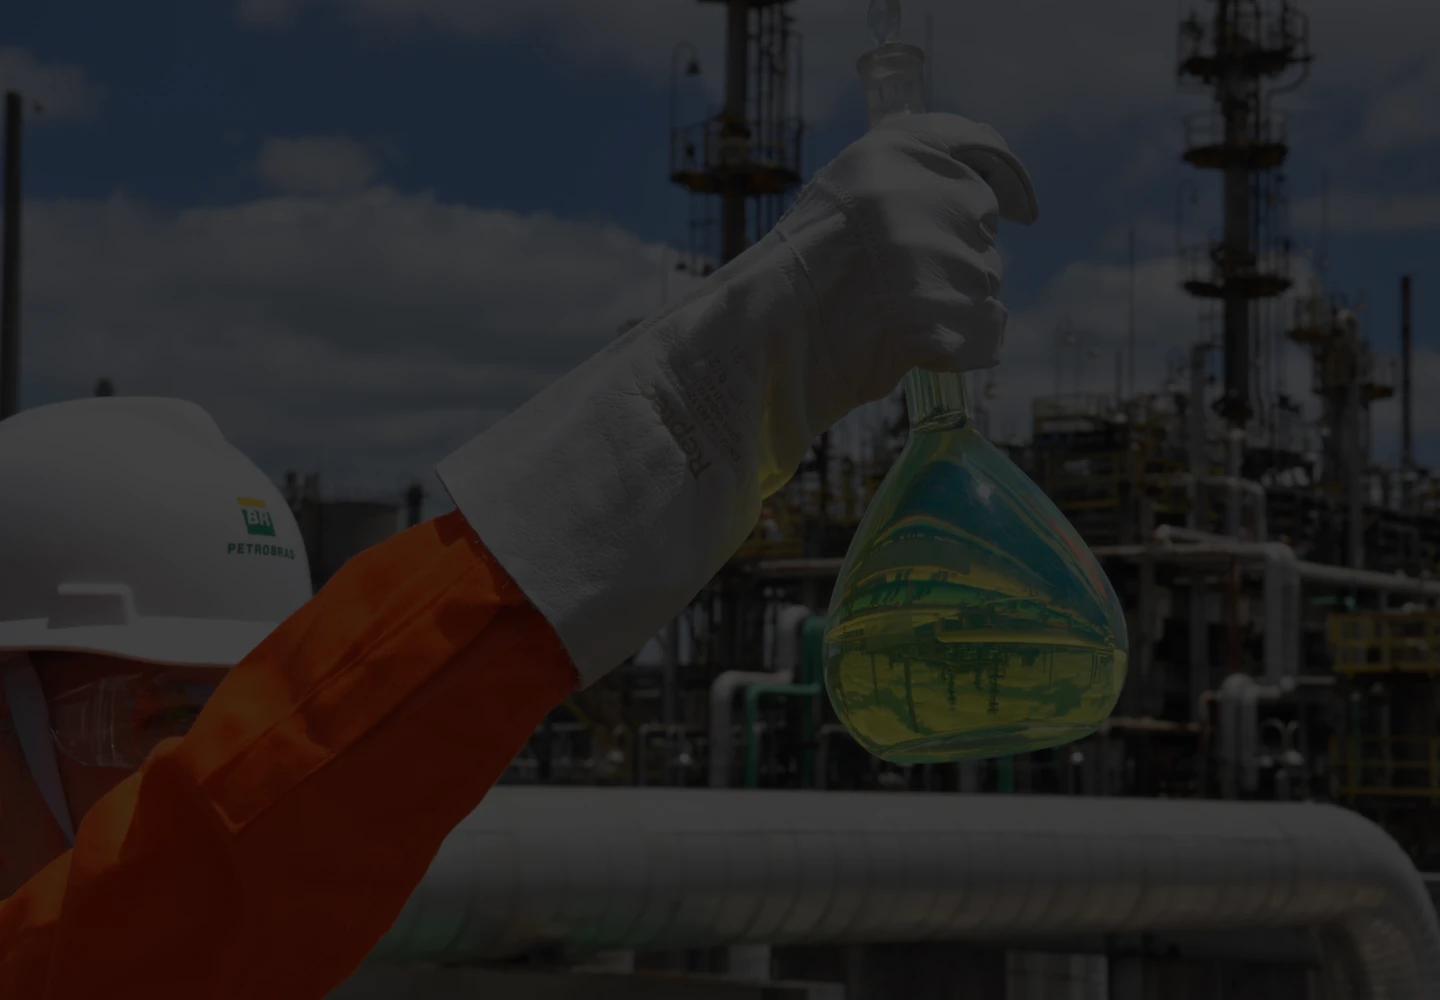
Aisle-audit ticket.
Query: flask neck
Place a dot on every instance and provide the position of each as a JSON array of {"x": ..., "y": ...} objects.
[
  {"x": 936, "y": 401},
  {"x": 894, "y": 78}
]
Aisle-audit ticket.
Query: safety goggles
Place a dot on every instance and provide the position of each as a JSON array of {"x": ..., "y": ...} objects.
[{"x": 119, "y": 721}]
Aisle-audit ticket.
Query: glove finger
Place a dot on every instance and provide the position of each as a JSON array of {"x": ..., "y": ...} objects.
[
  {"x": 954, "y": 333},
  {"x": 982, "y": 149},
  {"x": 947, "y": 263}
]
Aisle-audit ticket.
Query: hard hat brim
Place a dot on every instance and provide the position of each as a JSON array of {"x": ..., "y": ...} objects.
[{"x": 170, "y": 641}]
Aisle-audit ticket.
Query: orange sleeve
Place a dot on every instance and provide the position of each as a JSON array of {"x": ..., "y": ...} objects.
[{"x": 269, "y": 850}]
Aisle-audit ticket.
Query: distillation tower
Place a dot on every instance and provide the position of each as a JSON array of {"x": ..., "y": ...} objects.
[
  {"x": 1236, "y": 54},
  {"x": 742, "y": 164}
]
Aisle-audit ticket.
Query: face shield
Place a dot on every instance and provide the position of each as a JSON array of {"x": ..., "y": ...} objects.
[
  {"x": 119, "y": 721},
  {"x": 114, "y": 721}
]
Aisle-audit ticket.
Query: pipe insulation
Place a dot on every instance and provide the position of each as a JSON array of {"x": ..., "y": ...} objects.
[
  {"x": 788, "y": 652},
  {"x": 1177, "y": 545},
  {"x": 575, "y": 871}
]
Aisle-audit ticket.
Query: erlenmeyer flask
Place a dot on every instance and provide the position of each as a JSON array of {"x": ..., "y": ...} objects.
[{"x": 969, "y": 619}]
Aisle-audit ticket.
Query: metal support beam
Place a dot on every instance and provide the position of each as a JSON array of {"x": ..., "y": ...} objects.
[
  {"x": 737, "y": 71},
  {"x": 1407, "y": 439},
  {"x": 10, "y": 269},
  {"x": 1355, "y": 472}
]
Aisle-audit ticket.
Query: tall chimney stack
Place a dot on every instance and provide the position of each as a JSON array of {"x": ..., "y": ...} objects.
[{"x": 1407, "y": 439}]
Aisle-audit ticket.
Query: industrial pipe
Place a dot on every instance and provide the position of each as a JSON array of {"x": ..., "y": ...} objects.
[
  {"x": 1234, "y": 485},
  {"x": 1281, "y": 590},
  {"x": 812, "y": 568},
  {"x": 822, "y": 750},
  {"x": 1237, "y": 728},
  {"x": 1239, "y": 737},
  {"x": 571, "y": 872},
  {"x": 1364, "y": 579},
  {"x": 753, "y": 694},
  {"x": 1407, "y": 437},
  {"x": 1234, "y": 460},
  {"x": 642, "y": 747},
  {"x": 788, "y": 622},
  {"x": 1121, "y": 724},
  {"x": 1283, "y": 573}
]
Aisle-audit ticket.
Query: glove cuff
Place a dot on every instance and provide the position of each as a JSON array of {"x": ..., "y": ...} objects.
[{"x": 617, "y": 493}]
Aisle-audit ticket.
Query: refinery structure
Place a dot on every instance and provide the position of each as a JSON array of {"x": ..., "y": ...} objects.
[
  {"x": 1279, "y": 584},
  {"x": 1279, "y": 581},
  {"x": 1251, "y": 821}
]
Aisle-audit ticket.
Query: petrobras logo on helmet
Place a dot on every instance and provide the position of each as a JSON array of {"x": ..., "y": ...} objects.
[{"x": 258, "y": 521}]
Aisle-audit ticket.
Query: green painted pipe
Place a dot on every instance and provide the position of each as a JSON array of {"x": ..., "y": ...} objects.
[
  {"x": 752, "y": 709},
  {"x": 1005, "y": 776},
  {"x": 812, "y": 671},
  {"x": 812, "y": 660}
]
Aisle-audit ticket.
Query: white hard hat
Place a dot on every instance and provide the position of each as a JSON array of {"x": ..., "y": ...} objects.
[{"x": 131, "y": 528}]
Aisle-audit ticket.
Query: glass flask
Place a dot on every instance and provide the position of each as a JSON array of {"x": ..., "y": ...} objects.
[{"x": 969, "y": 619}]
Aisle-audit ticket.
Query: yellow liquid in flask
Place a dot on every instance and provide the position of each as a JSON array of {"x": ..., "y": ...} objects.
[{"x": 969, "y": 620}]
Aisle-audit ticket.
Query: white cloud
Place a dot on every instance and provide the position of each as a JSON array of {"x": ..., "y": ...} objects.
[
  {"x": 365, "y": 334},
  {"x": 1425, "y": 419},
  {"x": 62, "y": 90},
  {"x": 1092, "y": 297},
  {"x": 991, "y": 61},
  {"x": 1403, "y": 116},
  {"x": 1356, "y": 213},
  {"x": 1153, "y": 238},
  {"x": 1380, "y": 55},
  {"x": 324, "y": 165},
  {"x": 270, "y": 13},
  {"x": 1031, "y": 67}
]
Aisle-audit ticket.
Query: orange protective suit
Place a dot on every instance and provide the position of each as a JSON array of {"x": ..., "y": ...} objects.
[{"x": 266, "y": 852}]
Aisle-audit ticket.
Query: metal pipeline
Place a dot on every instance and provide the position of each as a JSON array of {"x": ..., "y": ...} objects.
[
  {"x": 671, "y": 731},
  {"x": 1121, "y": 724},
  {"x": 1234, "y": 486},
  {"x": 572, "y": 872},
  {"x": 1284, "y": 575},
  {"x": 1364, "y": 579},
  {"x": 1281, "y": 589},
  {"x": 822, "y": 750},
  {"x": 788, "y": 650},
  {"x": 801, "y": 568},
  {"x": 1201, "y": 543},
  {"x": 1239, "y": 735},
  {"x": 1238, "y": 727}
]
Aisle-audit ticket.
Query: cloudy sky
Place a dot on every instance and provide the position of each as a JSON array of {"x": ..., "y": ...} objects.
[{"x": 360, "y": 230}]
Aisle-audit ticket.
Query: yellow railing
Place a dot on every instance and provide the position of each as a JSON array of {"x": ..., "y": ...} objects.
[
  {"x": 1399, "y": 767},
  {"x": 1385, "y": 642},
  {"x": 1098, "y": 487}
]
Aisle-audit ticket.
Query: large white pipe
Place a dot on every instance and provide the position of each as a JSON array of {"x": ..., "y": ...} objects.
[
  {"x": 788, "y": 651},
  {"x": 1220, "y": 547},
  {"x": 1238, "y": 730},
  {"x": 1250, "y": 695},
  {"x": 1281, "y": 589},
  {"x": 576, "y": 871},
  {"x": 1284, "y": 574},
  {"x": 1197, "y": 543},
  {"x": 1363, "y": 579},
  {"x": 1234, "y": 486}
]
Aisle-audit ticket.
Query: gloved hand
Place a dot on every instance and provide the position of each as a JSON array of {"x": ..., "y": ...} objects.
[{"x": 614, "y": 495}]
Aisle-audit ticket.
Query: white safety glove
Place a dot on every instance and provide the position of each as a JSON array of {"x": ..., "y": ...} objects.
[{"x": 616, "y": 494}]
